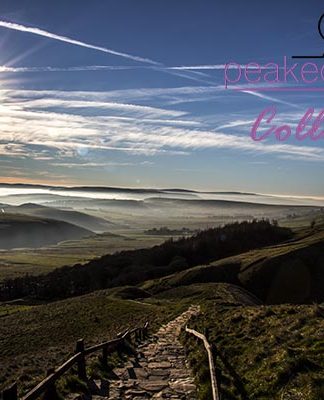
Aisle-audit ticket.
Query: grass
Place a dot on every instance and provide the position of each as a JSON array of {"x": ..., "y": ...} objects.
[
  {"x": 304, "y": 221},
  {"x": 34, "y": 339},
  {"x": 262, "y": 352},
  {"x": 19, "y": 262},
  {"x": 6, "y": 309},
  {"x": 258, "y": 271}
]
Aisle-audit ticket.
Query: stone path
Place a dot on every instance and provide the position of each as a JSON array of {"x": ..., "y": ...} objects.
[{"x": 160, "y": 370}]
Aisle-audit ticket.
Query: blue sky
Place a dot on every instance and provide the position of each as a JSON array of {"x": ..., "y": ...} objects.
[{"x": 126, "y": 93}]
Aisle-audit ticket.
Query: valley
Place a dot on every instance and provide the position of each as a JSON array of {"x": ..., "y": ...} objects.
[{"x": 258, "y": 283}]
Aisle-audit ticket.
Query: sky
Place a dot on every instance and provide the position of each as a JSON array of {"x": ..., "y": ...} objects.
[{"x": 125, "y": 93}]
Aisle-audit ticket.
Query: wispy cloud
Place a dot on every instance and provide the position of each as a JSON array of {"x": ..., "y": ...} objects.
[
  {"x": 99, "y": 164},
  {"x": 271, "y": 98},
  {"x": 31, "y": 129},
  {"x": 129, "y": 109},
  {"x": 237, "y": 123},
  {"x": 54, "y": 36}
]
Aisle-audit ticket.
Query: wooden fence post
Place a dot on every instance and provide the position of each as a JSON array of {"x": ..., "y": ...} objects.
[
  {"x": 218, "y": 372},
  {"x": 129, "y": 338},
  {"x": 11, "y": 393},
  {"x": 145, "y": 330},
  {"x": 104, "y": 355},
  {"x": 50, "y": 392},
  {"x": 82, "y": 373}
]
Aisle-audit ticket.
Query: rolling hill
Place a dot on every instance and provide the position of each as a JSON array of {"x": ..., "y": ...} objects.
[
  {"x": 135, "y": 266},
  {"x": 18, "y": 230},
  {"x": 292, "y": 272},
  {"x": 73, "y": 217}
]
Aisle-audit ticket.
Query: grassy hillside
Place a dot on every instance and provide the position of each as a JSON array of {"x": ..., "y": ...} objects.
[
  {"x": 35, "y": 338},
  {"x": 289, "y": 272},
  {"x": 221, "y": 293},
  {"x": 261, "y": 352},
  {"x": 298, "y": 222},
  {"x": 18, "y": 230}
]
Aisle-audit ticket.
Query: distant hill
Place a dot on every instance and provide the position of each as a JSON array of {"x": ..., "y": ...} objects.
[
  {"x": 73, "y": 217},
  {"x": 163, "y": 201},
  {"x": 18, "y": 230}
]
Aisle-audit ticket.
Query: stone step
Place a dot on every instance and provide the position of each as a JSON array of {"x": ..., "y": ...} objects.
[{"x": 158, "y": 371}]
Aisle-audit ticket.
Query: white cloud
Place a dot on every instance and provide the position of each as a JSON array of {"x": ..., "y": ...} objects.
[
  {"x": 32, "y": 127},
  {"x": 129, "y": 109},
  {"x": 99, "y": 164}
]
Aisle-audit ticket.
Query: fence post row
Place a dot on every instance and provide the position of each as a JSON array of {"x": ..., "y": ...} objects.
[{"x": 47, "y": 386}]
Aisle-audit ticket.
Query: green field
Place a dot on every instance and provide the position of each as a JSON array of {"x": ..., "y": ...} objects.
[{"x": 18, "y": 262}]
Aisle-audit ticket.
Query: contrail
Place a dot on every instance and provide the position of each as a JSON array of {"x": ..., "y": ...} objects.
[
  {"x": 4, "y": 68},
  {"x": 198, "y": 67},
  {"x": 41, "y": 32},
  {"x": 210, "y": 67},
  {"x": 154, "y": 64}
]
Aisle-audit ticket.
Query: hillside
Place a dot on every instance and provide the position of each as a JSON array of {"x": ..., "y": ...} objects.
[
  {"x": 36, "y": 338},
  {"x": 290, "y": 272},
  {"x": 261, "y": 352},
  {"x": 17, "y": 230},
  {"x": 83, "y": 220},
  {"x": 134, "y": 267}
]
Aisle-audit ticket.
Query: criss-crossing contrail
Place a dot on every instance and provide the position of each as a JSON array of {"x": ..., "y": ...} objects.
[
  {"x": 41, "y": 32},
  {"x": 154, "y": 64}
]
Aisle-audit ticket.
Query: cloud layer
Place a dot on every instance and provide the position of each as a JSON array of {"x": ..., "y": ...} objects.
[{"x": 50, "y": 124}]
